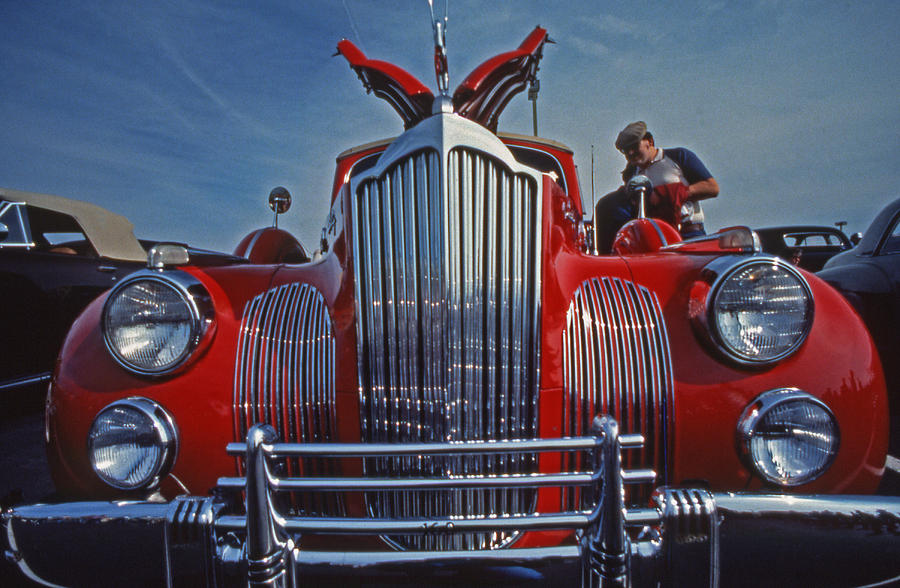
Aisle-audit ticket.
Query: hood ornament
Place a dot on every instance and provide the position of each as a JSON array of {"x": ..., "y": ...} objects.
[{"x": 442, "y": 102}]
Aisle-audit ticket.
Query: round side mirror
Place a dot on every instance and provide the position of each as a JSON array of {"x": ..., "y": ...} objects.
[
  {"x": 855, "y": 238},
  {"x": 279, "y": 200},
  {"x": 4, "y": 232}
]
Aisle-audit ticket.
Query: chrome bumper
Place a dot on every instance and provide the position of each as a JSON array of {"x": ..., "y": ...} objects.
[{"x": 688, "y": 537}]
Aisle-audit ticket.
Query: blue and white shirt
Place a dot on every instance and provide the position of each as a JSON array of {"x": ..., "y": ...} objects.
[{"x": 678, "y": 165}]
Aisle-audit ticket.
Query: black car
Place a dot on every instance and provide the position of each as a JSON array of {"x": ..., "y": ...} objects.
[
  {"x": 56, "y": 255},
  {"x": 807, "y": 246},
  {"x": 869, "y": 277}
]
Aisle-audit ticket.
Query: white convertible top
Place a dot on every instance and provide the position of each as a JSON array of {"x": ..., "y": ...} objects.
[{"x": 111, "y": 234}]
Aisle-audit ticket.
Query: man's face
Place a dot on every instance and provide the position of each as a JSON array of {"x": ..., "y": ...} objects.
[{"x": 641, "y": 153}]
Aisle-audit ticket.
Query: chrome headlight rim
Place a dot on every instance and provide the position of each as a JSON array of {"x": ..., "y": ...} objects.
[
  {"x": 753, "y": 416},
  {"x": 166, "y": 433},
  {"x": 200, "y": 306},
  {"x": 722, "y": 269}
]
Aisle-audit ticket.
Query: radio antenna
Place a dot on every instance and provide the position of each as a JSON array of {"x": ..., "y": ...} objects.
[
  {"x": 439, "y": 27},
  {"x": 353, "y": 25},
  {"x": 592, "y": 175}
]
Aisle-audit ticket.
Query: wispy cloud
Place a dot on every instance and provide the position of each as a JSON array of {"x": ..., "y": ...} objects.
[
  {"x": 589, "y": 47},
  {"x": 206, "y": 90}
]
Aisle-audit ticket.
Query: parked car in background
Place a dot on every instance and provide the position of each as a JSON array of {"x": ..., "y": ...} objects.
[
  {"x": 456, "y": 389},
  {"x": 56, "y": 255},
  {"x": 813, "y": 244},
  {"x": 869, "y": 277}
]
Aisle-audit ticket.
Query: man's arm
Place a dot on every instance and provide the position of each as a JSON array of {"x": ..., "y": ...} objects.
[
  {"x": 701, "y": 184},
  {"x": 703, "y": 189}
]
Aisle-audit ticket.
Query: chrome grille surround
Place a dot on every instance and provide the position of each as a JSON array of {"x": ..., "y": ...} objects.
[
  {"x": 284, "y": 376},
  {"x": 617, "y": 361},
  {"x": 447, "y": 250}
]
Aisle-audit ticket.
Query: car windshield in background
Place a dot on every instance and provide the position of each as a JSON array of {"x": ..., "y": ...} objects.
[
  {"x": 892, "y": 243},
  {"x": 808, "y": 246},
  {"x": 813, "y": 240},
  {"x": 13, "y": 219}
]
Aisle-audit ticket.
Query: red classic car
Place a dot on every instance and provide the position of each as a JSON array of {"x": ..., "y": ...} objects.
[{"x": 456, "y": 388}]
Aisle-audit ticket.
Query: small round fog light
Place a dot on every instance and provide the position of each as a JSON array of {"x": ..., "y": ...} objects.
[
  {"x": 132, "y": 444},
  {"x": 788, "y": 436}
]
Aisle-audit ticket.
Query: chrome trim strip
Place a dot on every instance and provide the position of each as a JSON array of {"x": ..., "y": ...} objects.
[
  {"x": 367, "y": 526},
  {"x": 284, "y": 376},
  {"x": 359, "y": 559},
  {"x": 452, "y": 448},
  {"x": 41, "y": 378},
  {"x": 617, "y": 360}
]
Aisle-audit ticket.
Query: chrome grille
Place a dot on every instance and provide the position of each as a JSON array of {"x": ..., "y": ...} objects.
[
  {"x": 284, "y": 376},
  {"x": 448, "y": 301},
  {"x": 617, "y": 361}
]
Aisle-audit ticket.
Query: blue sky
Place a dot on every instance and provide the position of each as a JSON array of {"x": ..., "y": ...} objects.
[{"x": 183, "y": 115}]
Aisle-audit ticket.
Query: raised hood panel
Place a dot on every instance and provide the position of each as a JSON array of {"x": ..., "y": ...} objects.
[{"x": 481, "y": 97}]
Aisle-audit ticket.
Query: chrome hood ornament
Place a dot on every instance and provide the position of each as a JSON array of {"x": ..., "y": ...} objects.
[{"x": 441, "y": 70}]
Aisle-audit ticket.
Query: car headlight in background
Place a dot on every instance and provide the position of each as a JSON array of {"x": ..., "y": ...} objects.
[
  {"x": 132, "y": 444},
  {"x": 788, "y": 436},
  {"x": 757, "y": 312},
  {"x": 154, "y": 321}
]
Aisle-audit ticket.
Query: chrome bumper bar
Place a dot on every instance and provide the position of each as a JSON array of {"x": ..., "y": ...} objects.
[{"x": 687, "y": 537}]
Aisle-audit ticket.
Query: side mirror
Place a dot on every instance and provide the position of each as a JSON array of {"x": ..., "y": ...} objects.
[
  {"x": 4, "y": 232},
  {"x": 279, "y": 202},
  {"x": 639, "y": 187},
  {"x": 855, "y": 238}
]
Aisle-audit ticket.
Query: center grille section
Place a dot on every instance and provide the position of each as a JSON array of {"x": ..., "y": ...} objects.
[
  {"x": 284, "y": 377},
  {"x": 447, "y": 268},
  {"x": 617, "y": 361}
]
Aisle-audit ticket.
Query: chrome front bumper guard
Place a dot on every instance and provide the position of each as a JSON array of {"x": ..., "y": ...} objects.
[{"x": 687, "y": 537}]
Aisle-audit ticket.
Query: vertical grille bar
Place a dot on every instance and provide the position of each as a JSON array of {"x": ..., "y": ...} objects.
[
  {"x": 448, "y": 282},
  {"x": 617, "y": 361},
  {"x": 284, "y": 376}
]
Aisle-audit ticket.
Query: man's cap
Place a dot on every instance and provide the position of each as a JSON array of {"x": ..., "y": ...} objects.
[{"x": 631, "y": 134}]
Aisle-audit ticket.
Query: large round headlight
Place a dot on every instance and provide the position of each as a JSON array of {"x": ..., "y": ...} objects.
[
  {"x": 153, "y": 322},
  {"x": 132, "y": 444},
  {"x": 760, "y": 311},
  {"x": 788, "y": 436}
]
